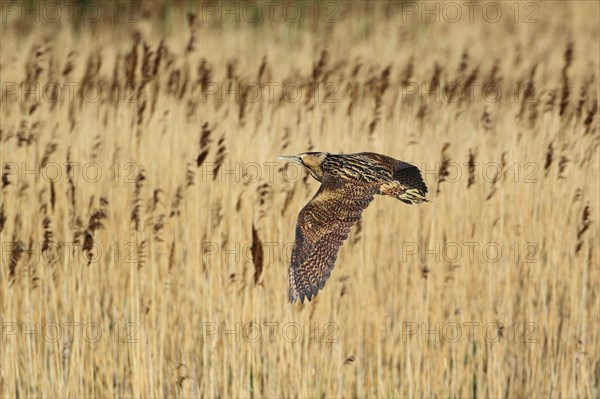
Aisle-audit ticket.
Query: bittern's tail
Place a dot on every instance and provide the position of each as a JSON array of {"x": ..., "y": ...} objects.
[
  {"x": 412, "y": 196},
  {"x": 408, "y": 185}
]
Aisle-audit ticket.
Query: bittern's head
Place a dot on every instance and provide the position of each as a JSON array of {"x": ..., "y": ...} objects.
[{"x": 312, "y": 161}]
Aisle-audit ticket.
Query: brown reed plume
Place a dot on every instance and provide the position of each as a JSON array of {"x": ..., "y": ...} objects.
[
  {"x": 17, "y": 249},
  {"x": 566, "y": 87},
  {"x": 257, "y": 254},
  {"x": 94, "y": 223},
  {"x": 583, "y": 227},
  {"x": 471, "y": 166},
  {"x": 443, "y": 170},
  {"x": 549, "y": 158},
  {"x": 137, "y": 200},
  {"x": 219, "y": 156},
  {"x": 592, "y": 112},
  {"x": 407, "y": 74},
  {"x": 204, "y": 144},
  {"x": 2, "y": 217}
]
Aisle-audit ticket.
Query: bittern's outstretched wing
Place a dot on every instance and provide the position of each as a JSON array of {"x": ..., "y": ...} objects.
[{"x": 323, "y": 225}]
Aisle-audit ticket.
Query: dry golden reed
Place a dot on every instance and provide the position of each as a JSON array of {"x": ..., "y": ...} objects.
[{"x": 146, "y": 225}]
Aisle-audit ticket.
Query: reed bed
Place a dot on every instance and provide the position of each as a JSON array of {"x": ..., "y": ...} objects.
[{"x": 146, "y": 224}]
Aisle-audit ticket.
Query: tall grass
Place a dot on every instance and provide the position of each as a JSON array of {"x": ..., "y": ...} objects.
[{"x": 146, "y": 225}]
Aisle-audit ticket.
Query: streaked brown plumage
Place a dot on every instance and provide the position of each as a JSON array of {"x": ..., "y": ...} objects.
[{"x": 349, "y": 183}]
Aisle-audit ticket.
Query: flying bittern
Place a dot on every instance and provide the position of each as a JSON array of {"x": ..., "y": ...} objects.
[{"x": 348, "y": 184}]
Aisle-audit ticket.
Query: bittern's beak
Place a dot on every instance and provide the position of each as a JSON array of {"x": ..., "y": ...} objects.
[{"x": 292, "y": 158}]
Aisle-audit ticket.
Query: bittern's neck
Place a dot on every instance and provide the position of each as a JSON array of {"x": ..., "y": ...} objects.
[{"x": 317, "y": 174}]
